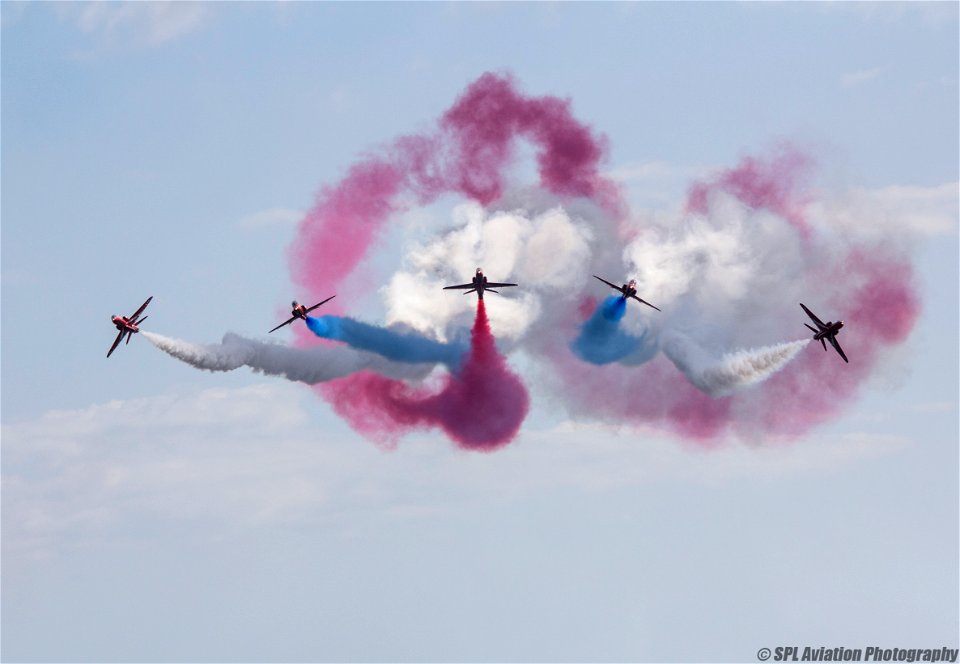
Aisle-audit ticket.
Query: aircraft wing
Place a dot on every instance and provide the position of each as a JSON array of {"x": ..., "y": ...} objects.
[
  {"x": 319, "y": 303},
  {"x": 496, "y": 285},
  {"x": 836, "y": 344},
  {"x": 613, "y": 286},
  {"x": 116, "y": 343},
  {"x": 644, "y": 302},
  {"x": 142, "y": 307},
  {"x": 814, "y": 318},
  {"x": 286, "y": 322},
  {"x": 460, "y": 286}
]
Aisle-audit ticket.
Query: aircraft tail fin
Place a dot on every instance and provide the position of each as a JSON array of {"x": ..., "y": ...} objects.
[
  {"x": 824, "y": 342},
  {"x": 810, "y": 328}
]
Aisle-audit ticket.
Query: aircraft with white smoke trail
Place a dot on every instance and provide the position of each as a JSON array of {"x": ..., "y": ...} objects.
[
  {"x": 479, "y": 284},
  {"x": 128, "y": 325},
  {"x": 627, "y": 290},
  {"x": 300, "y": 311},
  {"x": 826, "y": 332}
]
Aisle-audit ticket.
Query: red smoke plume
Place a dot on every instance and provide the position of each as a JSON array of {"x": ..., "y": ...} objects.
[{"x": 480, "y": 407}]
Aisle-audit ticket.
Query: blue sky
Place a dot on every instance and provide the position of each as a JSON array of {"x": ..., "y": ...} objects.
[{"x": 151, "y": 511}]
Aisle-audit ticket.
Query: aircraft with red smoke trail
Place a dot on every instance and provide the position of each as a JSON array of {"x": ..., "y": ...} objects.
[
  {"x": 826, "y": 332},
  {"x": 300, "y": 311},
  {"x": 479, "y": 284},
  {"x": 627, "y": 290},
  {"x": 128, "y": 325}
]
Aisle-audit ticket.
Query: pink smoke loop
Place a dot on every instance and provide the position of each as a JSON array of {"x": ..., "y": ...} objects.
[{"x": 467, "y": 154}]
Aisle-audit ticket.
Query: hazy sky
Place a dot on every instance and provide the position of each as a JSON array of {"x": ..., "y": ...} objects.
[{"x": 154, "y": 512}]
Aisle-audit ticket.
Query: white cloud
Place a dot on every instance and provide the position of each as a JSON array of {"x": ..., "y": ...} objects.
[
  {"x": 655, "y": 170},
  {"x": 933, "y": 407},
  {"x": 221, "y": 454},
  {"x": 894, "y": 210},
  {"x": 863, "y": 76},
  {"x": 238, "y": 459},
  {"x": 932, "y": 14},
  {"x": 11, "y": 12},
  {"x": 147, "y": 23},
  {"x": 657, "y": 184},
  {"x": 272, "y": 217},
  {"x": 340, "y": 98}
]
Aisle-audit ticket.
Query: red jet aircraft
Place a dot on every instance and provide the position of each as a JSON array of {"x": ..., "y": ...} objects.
[
  {"x": 128, "y": 325},
  {"x": 300, "y": 311},
  {"x": 627, "y": 290},
  {"x": 478, "y": 284},
  {"x": 826, "y": 332}
]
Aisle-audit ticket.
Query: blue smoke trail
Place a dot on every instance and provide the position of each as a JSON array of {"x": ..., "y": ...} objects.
[
  {"x": 398, "y": 346},
  {"x": 601, "y": 341}
]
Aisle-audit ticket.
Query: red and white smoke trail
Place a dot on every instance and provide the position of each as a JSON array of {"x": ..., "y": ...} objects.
[{"x": 481, "y": 406}]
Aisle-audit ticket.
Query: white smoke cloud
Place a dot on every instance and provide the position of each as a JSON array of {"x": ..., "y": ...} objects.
[
  {"x": 305, "y": 365},
  {"x": 725, "y": 279},
  {"x": 891, "y": 211},
  {"x": 720, "y": 376},
  {"x": 547, "y": 254},
  {"x": 725, "y": 259}
]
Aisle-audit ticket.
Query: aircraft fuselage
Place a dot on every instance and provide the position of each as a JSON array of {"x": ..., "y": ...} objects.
[
  {"x": 478, "y": 285},
  {"x": 299, "y": 311},
  {"x": 123, "y": 324},
  {"x": 830, "y": 329},
  {"x": 628, "y": 290},
  {"x": 127, "y": 325},
  {"x": 824, "y": 332}
]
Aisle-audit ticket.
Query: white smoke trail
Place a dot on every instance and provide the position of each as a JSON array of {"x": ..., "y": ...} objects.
[
  {"x": 306, "y": 365},
  {"x": 732, "y": 371}
]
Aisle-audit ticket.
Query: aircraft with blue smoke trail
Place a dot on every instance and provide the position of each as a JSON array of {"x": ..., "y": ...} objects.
[
  {"x": 128, "y": 325},
  {"x": 300, "y": 311},
  {"x": 479, "y": 284},
  {"x": 627, "y": 290},
  {"x": 826, "y": 332}
]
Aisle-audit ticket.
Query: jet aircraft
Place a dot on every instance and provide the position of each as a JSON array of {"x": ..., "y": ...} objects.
[
  {"x": 627, "y": 290},
  {"x": 128, "y": 325},
  {"x": 300, "y": 311},
  {"x": 479, "y": 284},
  {"x": 826, "y": 332}
]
